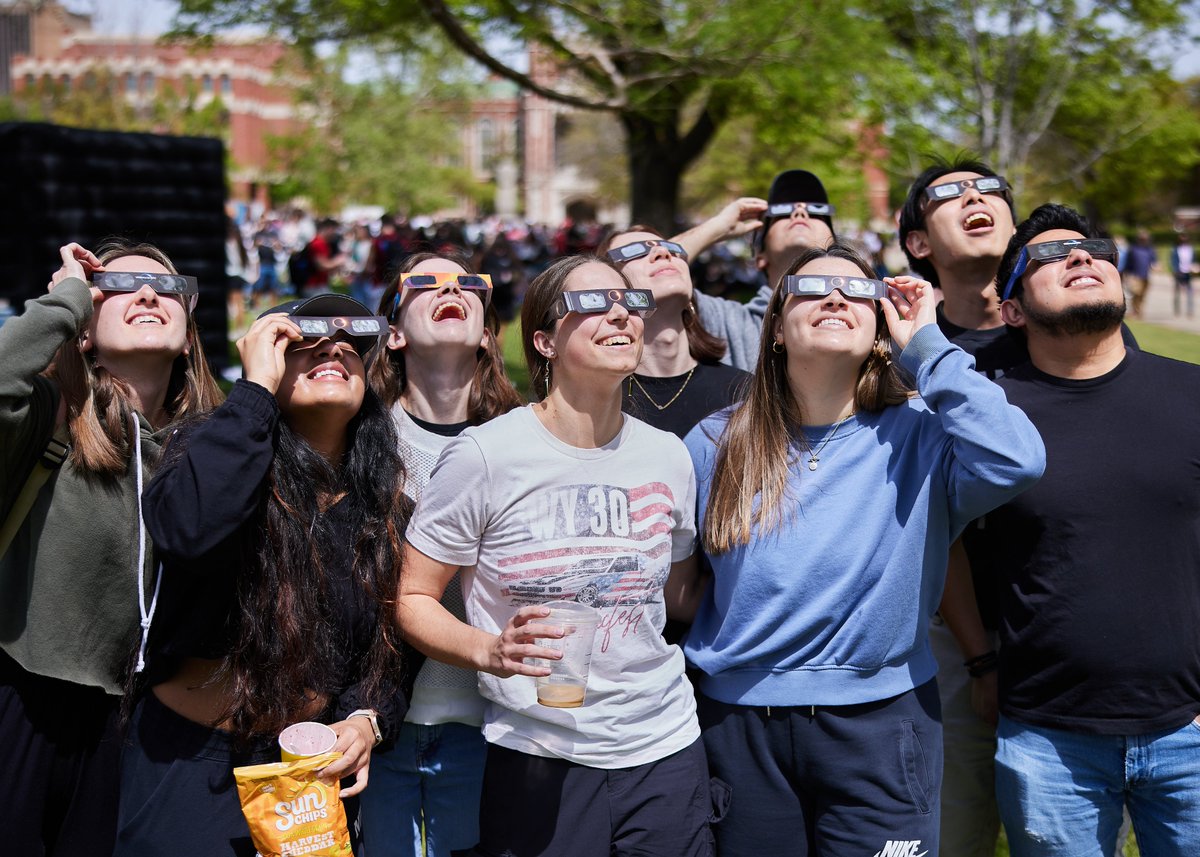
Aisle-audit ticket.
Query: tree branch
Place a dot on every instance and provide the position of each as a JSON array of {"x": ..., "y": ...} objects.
[{"x": 450, "y": 25}]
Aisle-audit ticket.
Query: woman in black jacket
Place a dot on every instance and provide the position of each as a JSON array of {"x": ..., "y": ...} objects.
[{"x": 278, "y": 520}]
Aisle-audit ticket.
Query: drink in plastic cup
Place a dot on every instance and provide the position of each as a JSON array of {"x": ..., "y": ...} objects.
[
  {"x": 567, "y": 682},
  {"x": 302, "y": 740}
]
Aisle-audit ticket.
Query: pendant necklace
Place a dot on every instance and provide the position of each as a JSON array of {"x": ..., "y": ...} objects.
[
  {"x": 633, "y": 380},
  {"x": 814, "y": 456}
]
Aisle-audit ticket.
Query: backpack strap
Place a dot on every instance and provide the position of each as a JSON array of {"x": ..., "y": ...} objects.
[{"x": 58, "y": 447}]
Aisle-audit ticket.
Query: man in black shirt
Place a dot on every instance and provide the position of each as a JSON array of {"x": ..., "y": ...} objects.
[
  {"x": 1100, "y": 613},
  {"x": 954, "y": 227}
]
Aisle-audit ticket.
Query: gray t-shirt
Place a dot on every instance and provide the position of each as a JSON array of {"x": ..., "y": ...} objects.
[{"x": 531, "y": 519}]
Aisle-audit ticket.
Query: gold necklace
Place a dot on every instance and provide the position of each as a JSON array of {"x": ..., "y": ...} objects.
[
  {"x": 633, "y": 380},
  {"x": 814, "y": 457}
]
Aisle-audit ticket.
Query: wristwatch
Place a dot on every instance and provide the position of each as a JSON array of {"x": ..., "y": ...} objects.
[{"x": 372, "y": 718}]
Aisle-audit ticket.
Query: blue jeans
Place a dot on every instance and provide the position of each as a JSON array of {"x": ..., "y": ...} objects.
[
  {"x": 1061, "y": 793},
  {"x": 433, "y": 774}
]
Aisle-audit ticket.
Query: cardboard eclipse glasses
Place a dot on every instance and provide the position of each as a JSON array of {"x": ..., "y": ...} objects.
[
  {"x": 1054, "y": 251},
  {"x": 589, "y": 301},
  {"x": 814, "y": 209},
  {"x": 362, "y": 331},
  {"x": 814, "y": 285},
  {"x": 953, "y": 190},
  {"x": 638, "y": 249},
  {"x": 481, "y": 284},
  {"x": 134, "y": 281}
]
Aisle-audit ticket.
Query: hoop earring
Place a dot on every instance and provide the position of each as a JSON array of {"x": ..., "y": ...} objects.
[{"x": 777, "y": 347}]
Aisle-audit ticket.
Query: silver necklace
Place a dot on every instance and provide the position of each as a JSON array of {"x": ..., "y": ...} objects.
[{"x": 815, "y": 456}]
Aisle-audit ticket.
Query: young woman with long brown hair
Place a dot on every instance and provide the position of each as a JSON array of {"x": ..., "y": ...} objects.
[
  {"x": 278, "y": 519},
  {"x": 570, "y": 499},
  {"x": 115, "y": 364},
  {"x": 441, "y": 372},
  {"x": 828, "y": 500},
  {"x": 680, "y": 379}
]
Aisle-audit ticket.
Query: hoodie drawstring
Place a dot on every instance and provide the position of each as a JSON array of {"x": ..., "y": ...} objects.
[{"x": 147, "y": 614}]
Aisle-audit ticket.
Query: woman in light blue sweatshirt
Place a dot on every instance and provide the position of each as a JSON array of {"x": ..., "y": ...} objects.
[{"x": 828, "y": 501}]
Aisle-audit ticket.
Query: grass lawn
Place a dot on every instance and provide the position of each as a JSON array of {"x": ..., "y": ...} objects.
[{"x": 1167, "y": 341}]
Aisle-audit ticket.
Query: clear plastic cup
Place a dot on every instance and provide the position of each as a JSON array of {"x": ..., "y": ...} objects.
[
  {"x": 303, "y": 740},
  {"x": 566, "y": 685}
]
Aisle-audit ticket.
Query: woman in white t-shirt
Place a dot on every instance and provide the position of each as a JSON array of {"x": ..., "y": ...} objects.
[
  {"x": 565, "y": 497},
  {"x": 442, "y": 372}
]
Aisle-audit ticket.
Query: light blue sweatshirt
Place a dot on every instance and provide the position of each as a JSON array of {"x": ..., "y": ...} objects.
[
  {"x": 739, "y": 324},
  {"x": 833, "y": 608}
]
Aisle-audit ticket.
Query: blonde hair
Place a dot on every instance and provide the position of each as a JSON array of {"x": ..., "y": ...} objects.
[
  {"x": 758, "y": 445},
  {"x": 99, "y": 404}
]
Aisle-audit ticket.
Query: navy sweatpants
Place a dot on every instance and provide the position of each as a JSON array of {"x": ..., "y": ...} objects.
[{"x": 839, "y": 781}]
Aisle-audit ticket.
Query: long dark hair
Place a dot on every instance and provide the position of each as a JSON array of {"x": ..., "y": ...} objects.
[
  {"x": 492, "y": 393},
  {"x": 286, "y": 644}
]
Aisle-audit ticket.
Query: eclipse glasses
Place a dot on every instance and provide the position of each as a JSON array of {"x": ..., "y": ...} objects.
[
  {"x": 638, "y": 249},
  {"x": 163, "y": 284},
  {"x": 363, "y": 331},
  {"x": 637, "y": 301},
  {"x": 481, "y": 284},
  {"x": 814, "y": 285},
  {"x": 1104, "y": 249},
  {"x": 953, "y": 190},
  {"x": 814, "y": 209}
]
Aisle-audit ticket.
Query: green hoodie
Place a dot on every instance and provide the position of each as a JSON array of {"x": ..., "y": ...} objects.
[{"x": 69, "y": 582}]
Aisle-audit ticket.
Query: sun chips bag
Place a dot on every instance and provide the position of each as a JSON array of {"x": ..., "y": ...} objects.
[{"x": 291, "y": 812}]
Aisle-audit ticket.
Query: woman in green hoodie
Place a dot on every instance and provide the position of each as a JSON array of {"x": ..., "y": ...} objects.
[{"x": 112, "y": 360}]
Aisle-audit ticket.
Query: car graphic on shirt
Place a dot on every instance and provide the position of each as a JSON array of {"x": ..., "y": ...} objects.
[{"x": 598, "y": 581}]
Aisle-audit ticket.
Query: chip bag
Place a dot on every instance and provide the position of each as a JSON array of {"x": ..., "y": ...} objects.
[{"x": 291, "y": 812}]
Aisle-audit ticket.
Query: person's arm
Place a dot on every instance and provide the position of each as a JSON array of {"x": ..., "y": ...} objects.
[
  {"x": 961, "y": 614},
  {"x": 434, "y": 630},
  {"x": 30, "y": 405},
  {"x": 993, "y": 451},
  {"x": 213, "y": 476},
  {"x": 685, "y": 588},
  {"x": 738, "y": 218}
]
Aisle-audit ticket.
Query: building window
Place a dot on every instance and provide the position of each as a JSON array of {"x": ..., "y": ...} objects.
[
  {"x": 226, "y": 85},
  {"x": 487, "y": 144},
  {"x": 130, "y": 83},
  {"x": 64, "y": 81},
  {"x": 148, "y": 83},
  {"x": 206, "y": 83}
]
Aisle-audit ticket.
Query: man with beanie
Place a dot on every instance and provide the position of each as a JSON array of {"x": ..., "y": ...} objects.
[{"x": 795, "y": 216}]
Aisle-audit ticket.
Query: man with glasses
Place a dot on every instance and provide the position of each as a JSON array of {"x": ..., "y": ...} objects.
[
  {"x": 1100, "y": 662},
  {"x": 795, "y": 216},
  {"x": 954, "y": 227}
]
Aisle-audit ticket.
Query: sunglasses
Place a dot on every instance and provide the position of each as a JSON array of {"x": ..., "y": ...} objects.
[
  {"x": 814, "y": 209},
  {"x": 363, "y": 331},
  {"x": 1104, "y": 249},
  {"x": 953, "y": 190},
  {"x": 134, "y": 281},
  {"x": 588, "y": 301},
  {"x": 481, "y": 283},
  {"x": 813, "y": 285},
  {"x": 638, "y": 249}
]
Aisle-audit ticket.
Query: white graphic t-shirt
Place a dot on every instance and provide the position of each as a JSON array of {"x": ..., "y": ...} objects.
[{"x": 532, "y": 519}]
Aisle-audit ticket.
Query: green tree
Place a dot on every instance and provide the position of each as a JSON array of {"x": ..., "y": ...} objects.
[
  {"x": 393, "y": 141},
  {"x": 1061, "y": 82},
  {"x": 671, "y": 72}
]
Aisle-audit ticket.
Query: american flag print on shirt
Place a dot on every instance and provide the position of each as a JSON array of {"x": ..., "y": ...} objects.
[{"x": 600, "y": 545}]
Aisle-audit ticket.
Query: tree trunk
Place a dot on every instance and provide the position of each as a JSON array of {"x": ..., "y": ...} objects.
[{"x": 655, "y": 170}]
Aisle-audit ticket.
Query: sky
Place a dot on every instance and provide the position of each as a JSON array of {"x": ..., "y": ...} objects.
[{"x": 152, "y": 17}]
